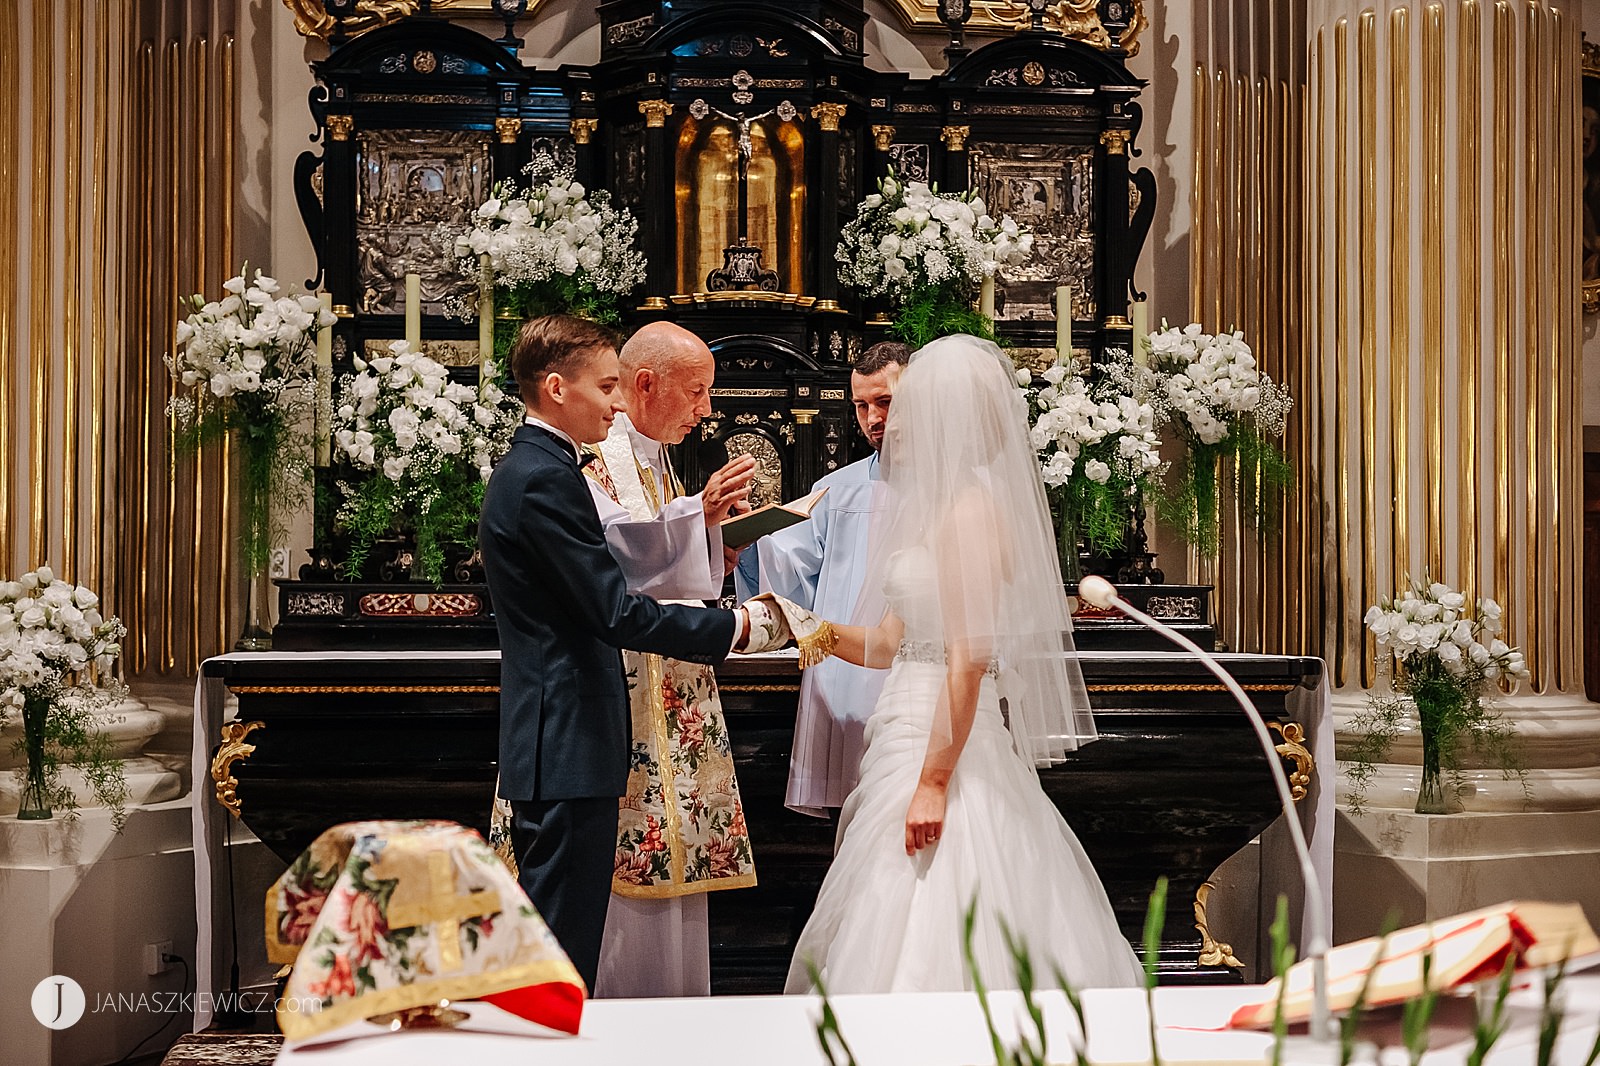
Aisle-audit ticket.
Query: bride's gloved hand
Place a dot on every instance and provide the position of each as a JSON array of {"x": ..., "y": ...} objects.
[
  {"x": 774, "y": 621},
  {"x": 925, "y": 817}
]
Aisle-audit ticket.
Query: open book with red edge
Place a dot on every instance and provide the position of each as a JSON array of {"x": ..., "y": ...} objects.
[
  {"x": 747, "y": 528},
  {"x": 1464, "y": 949}
]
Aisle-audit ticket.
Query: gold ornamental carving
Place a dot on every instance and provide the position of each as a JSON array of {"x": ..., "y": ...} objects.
[
  {"x": 883, "y": 138},
  {"x": 340, "y": 126},
  {"x": 583, "y": 129},
  {"x": 1078, "y": 20},
  {"x": 507, "y": 129},
  {"x": 232, "y": 749},
  {"x": 311, "y": 18},
  {"x": 828, "y": 115},
  {"x": 1294, "y": 749},
  {"x": 1213, "y": 952},
  {"x": 955, "y": 137},
  {"x": 655, "y": 112},
  {"x": 1116, "y": 142}
]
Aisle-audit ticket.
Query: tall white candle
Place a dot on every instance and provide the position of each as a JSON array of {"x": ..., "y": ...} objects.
[
  {"x": 323, "y": 419},
  {"x": 986, "y": 298},
  {"x": 1063, "y": 322},
  {"x": 485, "y": 315},
  {"x": 1141, "y": 328},
  {"x": 414, "y": 311}
]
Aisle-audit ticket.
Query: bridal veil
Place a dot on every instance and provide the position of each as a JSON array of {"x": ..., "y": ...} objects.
[{"x": 962, "y": 483}]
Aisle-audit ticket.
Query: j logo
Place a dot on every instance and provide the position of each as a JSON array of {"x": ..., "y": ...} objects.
[{"x": 58, "y": 1002}]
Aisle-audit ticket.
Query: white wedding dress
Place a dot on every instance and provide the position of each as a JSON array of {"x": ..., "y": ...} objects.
[{"x": 889, "y": 922}]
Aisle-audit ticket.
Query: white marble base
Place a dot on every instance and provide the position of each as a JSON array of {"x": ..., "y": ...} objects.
[
  {"x": 1430, "y": 866},
  {"x": 80, "y": 900},
  {"x": 1559, "y": 737}
]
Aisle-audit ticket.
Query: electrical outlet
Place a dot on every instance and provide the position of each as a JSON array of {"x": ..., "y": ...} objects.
[
  {"x": 279, "y": 566},
  {"x": 155, "y": 961}
]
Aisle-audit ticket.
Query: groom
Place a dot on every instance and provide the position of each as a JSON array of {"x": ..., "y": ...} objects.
[{"x": 563, "y": 610}]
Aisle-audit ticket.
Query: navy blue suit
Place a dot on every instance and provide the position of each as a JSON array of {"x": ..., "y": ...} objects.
[{"x": 563, "y": 610}]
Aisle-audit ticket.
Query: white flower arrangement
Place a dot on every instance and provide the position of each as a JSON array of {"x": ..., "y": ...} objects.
[
  {"x": 1212, "y": 380},
  {"x": 252, "y": 341},
  {"x": 554, "y": 246},
  {"x": 909, "y": 237},
  {"x": 247, "y": 363},
  {"x": 1210, "y": 389},
  {"x": 1434, "y": 620},
  {"x": 1448, "y": 655},
  {"x": 50, "y": 629},
  {"x": 54, "y": 647},
  {"x": 430, "y": 442},
  {"x": 1097, "y": 447}
]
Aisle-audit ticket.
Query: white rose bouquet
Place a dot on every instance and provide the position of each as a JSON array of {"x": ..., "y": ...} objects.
[
  {"x": 53, "y": 642},
  {"x": 1448, "y": 654},
  {"x": 553, "y": 246},
  {"x": 926, "y": 252},
  {"x": 1221, "y": 404},
  {"x": 246, "y": 365},
  {"x": 1097, "y": 447},
  {"x": 428, "y": 443}
]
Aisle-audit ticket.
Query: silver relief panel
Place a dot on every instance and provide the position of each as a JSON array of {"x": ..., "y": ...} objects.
[
  {"x": 409, "y": 181},
  {"x": 1050, "y": 189}
]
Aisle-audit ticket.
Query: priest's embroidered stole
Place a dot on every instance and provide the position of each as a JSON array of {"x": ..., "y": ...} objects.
[{"x": 681, "y": 826}]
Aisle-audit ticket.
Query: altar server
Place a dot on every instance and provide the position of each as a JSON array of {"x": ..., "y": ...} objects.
[
  {"x": 820, "y": 565},
  {"x": 563, "y": 609},
  {"x": 682, "y": 830}
]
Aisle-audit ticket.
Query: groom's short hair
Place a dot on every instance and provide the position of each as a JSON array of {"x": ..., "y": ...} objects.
[
  {"x": 554, "y": 344},
  {"x": 881, "y": 355}
]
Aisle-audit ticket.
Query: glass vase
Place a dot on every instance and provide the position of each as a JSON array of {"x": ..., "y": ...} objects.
[
  {"x": 1067, "y": 545},
  {"x": 34, "y": 804},
  {"x": 257, "y": 634},
  {"x": 258, "y": 440},
  {"x": 1434, "y": 794}
]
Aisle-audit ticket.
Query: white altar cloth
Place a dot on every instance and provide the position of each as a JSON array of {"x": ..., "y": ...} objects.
[{"x": 931, "y": 1029}]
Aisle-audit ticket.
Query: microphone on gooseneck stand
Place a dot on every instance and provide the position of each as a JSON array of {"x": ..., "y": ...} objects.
[{"x": 1102, "y": 593}]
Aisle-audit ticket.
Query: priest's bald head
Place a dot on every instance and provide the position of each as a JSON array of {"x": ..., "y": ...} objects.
[{"x": 666, "y": 381}]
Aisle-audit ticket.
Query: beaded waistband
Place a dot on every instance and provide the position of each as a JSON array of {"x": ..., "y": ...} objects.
[{"x": 932, "y": 651}]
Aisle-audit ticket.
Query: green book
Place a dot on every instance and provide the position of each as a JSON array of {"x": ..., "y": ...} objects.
[{"x": 751, "y": 526}]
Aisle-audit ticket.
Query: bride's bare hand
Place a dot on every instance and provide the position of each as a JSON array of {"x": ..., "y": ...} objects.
[{"x": 925, "y": 817}]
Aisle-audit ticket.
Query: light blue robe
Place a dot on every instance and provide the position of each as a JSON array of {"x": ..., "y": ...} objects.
[{"x": 821, "y": 564}]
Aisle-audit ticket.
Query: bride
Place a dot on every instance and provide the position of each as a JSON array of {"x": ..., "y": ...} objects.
[{"x": 964, "y": 587}]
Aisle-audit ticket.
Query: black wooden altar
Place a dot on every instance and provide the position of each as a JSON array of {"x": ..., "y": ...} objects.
[
  {"x": 419, "y": 118},
  {"x": 1175, "y": 785}
]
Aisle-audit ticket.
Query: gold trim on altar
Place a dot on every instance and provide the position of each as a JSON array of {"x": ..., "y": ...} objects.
[
  {"x": 1076, "y": 20},
  {"x": 311, "y": 18}
]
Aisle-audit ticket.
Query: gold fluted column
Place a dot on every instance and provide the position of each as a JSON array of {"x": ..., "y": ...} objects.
[
  {"x": 111, "y": 112},
  {"x": 1442, "y": 307},
  {"x": 1246, "y": 257},
  {"x": 1443, "y": 314}
]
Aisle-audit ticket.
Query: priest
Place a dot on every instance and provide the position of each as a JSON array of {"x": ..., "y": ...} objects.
[
  {"x": 682, "y": 829},
  {"x": 820, "y": 565}
]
